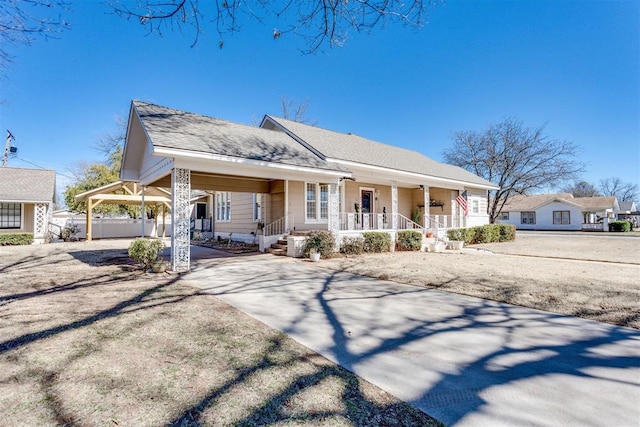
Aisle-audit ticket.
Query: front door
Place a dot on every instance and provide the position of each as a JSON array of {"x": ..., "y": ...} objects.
[{"x": 366, "y": 199}]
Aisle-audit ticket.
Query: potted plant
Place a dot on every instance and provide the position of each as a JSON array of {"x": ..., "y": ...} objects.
[
  {"x": 159, "y": 266},
  {"x": 314, "y": 255}
]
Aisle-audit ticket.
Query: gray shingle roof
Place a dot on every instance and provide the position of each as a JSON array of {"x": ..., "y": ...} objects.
[
  {"x": 354, "y": 148},
  {"x": 170, "y": 128},
  {"x": 530, "y": 202},
  {"x": 27, "y": 185}
]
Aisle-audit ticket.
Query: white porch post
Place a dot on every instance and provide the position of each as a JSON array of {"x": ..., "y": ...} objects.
[
  {"x": 394, "y": 205},
  {"x": 286, "y": 206},
  {"x": 180, "y": 192},
  {"x": 142, "y": 213},
  {"x": 334, "y": 210},
  {"x": 39, "y": 222},
  {"x": 425, "y": 192}
]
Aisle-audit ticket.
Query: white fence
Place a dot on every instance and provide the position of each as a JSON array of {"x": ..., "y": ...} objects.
[{"x": 109, "y": 228}]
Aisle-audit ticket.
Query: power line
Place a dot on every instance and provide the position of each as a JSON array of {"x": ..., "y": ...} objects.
[{"x": 42, "y": 167}]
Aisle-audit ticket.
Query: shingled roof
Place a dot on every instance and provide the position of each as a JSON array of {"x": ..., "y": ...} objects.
[
  {"x": 27, "y": 185},
  {"x": 353, "y": 148},
  {"x": 176, "y": 129},
  {"x": 531, "y": 202}
]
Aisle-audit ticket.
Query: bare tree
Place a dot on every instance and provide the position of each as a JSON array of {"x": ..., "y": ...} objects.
[
  {"x": 22, "y": 21},
  {"x": 318, "y": 22},
  {"x": 624, "y": 191},
  {"x": 516, "y": 158},
  {"x": 297, "y": 114},
  {"x": 581, "y": 189}
]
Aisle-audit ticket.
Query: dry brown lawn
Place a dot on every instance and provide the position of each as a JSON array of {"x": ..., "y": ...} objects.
[
  {"x": 86, "y": 340},
  {"x": 529, "y": 272}
]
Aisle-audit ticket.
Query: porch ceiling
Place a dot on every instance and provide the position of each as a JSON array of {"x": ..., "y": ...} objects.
[{"x": 216, "y": 182}]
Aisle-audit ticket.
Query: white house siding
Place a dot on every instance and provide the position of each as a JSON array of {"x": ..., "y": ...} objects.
[
  {"x": 481, "y": 217},
  {"x": 544, "y": 218}
]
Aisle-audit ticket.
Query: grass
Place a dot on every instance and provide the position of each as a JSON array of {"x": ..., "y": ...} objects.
[{"x": 86, "y": 339}]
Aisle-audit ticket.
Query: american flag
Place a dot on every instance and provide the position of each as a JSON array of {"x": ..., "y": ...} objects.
[{"x": 461, "y": 200}]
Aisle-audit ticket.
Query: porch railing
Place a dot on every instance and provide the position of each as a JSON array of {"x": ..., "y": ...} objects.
[
  {"x": 351, "y": 221},
  {"x": 279, "y": 226}
]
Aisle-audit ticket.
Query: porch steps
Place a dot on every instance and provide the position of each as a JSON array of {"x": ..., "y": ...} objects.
[{"x": 280, "y": 247}]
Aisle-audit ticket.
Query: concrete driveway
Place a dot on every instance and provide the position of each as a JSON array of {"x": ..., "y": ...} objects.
[{"x": 462, "y": 360}]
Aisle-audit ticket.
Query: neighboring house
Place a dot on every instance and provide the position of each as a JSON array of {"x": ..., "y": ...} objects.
[
  {"x": 629, "y": 211},
  {"x": 558, "y": 212},
  {"x": 291, "y": 176},
  {"x": 26, "y": 201}
]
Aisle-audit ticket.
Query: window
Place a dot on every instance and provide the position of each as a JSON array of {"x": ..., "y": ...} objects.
[
  {"x": 475, "y": 206},
  {"x": 223, "y": 206},
  {"x": 257, "y": 212},
  {"x": 504, "y": 216},
  {"x": 527, "y": 217},
  {"x": 561, "y": 217},
  {"x": 317, "y": 202},
  {"x": 10, "y": 215}
]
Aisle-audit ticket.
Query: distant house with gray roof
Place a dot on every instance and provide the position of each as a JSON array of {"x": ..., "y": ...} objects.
[
  {"x": 559, "y": 211},
  {"x": 284, "y": 176},
  {"x": 26, "y": 200}
]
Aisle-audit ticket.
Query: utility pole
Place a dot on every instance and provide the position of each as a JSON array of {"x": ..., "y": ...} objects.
[{"x": 7, "y": 147}]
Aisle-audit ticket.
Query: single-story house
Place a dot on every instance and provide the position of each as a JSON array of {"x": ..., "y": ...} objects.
[
  {"x": 291, "y": 176},
  {"x": 559, "y": 211},
  {"x": 629, "y": 211},
  {"x": 26, "y": 201}
]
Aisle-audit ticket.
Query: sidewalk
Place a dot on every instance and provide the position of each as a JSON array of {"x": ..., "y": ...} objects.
[{"x": 462, "y": 360}]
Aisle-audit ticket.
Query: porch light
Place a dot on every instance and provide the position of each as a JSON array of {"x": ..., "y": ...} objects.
[{"x": 377, "y": 194}]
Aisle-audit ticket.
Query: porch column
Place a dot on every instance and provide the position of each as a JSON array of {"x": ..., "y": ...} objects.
[
  {"x": 180, "y": 193},
  {"x": 88, "y": 225},
  {"x": 142, "y": 215},
  {"x": 427, "y": 199},
  {"x": 334, "y": 210},
  {"x": 394, "y": 205},
  {"x": 39, "y": 221},
  {"x": 164, "y": 220},
  {"x": 286, "y": 206}
]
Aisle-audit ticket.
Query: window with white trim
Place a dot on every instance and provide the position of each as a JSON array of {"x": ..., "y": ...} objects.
[
  {"x": 561, "y": 217},
  {"x": 316, "y": 202},
  {"x": 475, "y": 206},
  {"x": 223, "y": 206},
  {"x": 527, "y": 217},
  {"x": 10, "y": 215},
  {"x": 257, "y": 211},
  {"x": 504, "y": 216}
]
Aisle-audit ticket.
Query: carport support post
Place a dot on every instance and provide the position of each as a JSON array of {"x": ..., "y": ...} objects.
[
  {"x": 180, "y": 193},
  {"x": 142, "y": 215},
  {"x": 334, "y": 212},
  {"x": 88, "y": 224}
]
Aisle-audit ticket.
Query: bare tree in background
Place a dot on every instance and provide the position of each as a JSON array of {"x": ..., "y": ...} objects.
[
  {"x": 318, "y": 22},
  {"x": 22, "y": 21},
  {"x": 624, "y": 191},
  {"x": 518, "y": 159},
  {"x": 581, "y": 189},
  {"x": 297, "y": 114}
]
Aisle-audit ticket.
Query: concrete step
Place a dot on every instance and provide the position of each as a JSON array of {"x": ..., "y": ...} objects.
[
  {"x": 282, "y": 242},
  {"x": 278, "y": 252},
  {"x": 278, "y": 246}
]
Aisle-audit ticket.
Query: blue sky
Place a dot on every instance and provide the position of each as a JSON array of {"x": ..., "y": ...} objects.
[{"x": 574, "y": 65}]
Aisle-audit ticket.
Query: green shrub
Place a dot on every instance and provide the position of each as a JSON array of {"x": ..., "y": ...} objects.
[
  {"x": 14, "y": 239},
  {"x": 321, "y": 241},
  {"x": 145, "y": 251},
  {"x": 483, "y": 234},
  {"x": 620, "y": 226},
  {"x": 507, "y": 232},
  {"x": 487, "y": 233},
  {"x": 376, "y": 241},
  {"x": 352, "y": 245},
  {"x": 409, "y": 240}
]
